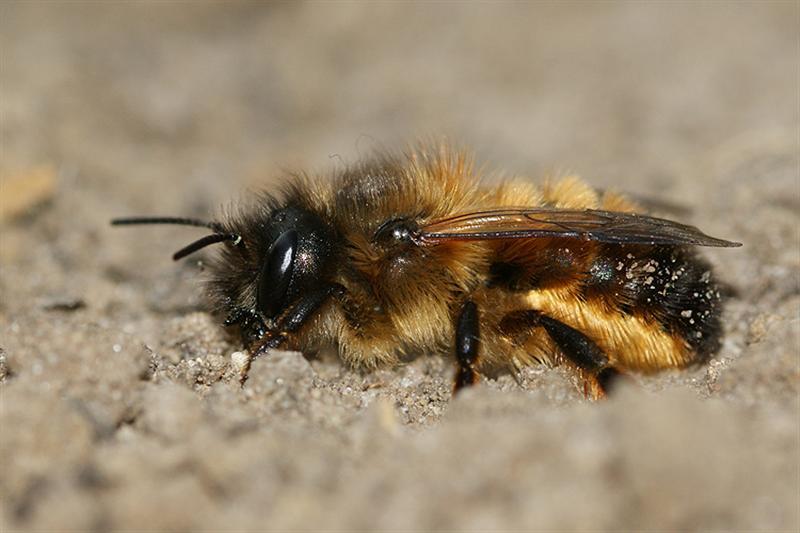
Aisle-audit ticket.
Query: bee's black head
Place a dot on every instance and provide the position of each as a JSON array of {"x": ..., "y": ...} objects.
[
  {"x": 294, "y": 248},
  {"x": 271, "y": 256}
]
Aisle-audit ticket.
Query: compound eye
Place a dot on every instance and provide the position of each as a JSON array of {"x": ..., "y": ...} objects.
[{"x": 273, "y": 283}]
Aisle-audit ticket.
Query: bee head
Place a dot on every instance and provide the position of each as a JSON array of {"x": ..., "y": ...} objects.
[{"x": 293, "y": 252}]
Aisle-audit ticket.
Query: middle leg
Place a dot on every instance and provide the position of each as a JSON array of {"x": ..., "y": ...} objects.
[{"x": 467, "y": 343}]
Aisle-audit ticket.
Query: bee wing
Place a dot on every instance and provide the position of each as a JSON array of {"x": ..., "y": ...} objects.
[{"x": 585, "y": 224}]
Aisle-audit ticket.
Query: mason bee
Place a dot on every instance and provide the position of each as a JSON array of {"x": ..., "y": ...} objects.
[{"x": 410, "y": 253}]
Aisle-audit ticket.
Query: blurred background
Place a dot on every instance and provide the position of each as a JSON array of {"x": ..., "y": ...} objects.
[
  {"x": 119, "y": 108},
  {"x": 124, "y": 108},
  {"x": 175, "y": 107},
  {"x": 188, "y": 100}
]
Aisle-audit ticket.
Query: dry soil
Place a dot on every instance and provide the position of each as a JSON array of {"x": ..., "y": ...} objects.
[{"x": 117, "y": 405}]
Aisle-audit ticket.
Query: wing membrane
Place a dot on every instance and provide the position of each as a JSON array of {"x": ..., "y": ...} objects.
[{"x": 584, "y": 224}]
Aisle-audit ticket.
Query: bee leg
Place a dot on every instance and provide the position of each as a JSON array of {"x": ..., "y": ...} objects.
[
  {"x": 584, "y": 353},
  {"x": 467, "y": 343},
  {"x": 251, "y": 325},
  {"x": 289, "y": 322}
]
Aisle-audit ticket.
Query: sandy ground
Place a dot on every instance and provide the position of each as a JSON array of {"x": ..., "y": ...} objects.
[{"x": 118, "y": 410}]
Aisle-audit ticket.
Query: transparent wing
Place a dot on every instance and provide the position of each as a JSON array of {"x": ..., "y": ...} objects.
[{"x": 585, "y": 224}]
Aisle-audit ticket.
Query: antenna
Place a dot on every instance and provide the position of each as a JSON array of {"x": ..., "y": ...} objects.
[
  {"x": 201, "y": 243},
  {"x": 179, "y": 221},
  {"x": 219, "y": 234}
]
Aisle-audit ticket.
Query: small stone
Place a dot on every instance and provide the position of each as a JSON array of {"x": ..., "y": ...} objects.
[{"x": 239, "y": 360}]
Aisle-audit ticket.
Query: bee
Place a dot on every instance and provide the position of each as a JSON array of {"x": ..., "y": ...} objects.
[{"x": 413, "y": 253}]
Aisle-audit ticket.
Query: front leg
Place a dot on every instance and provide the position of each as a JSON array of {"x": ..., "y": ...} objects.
[
  {"x": 467, "y": 344},
  {"x": 251, "y": 326},
  {"x": 289, "y": 322}
]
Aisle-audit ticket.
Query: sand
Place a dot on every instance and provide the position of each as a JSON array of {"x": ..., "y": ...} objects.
[{"x": 119, "y": 407}]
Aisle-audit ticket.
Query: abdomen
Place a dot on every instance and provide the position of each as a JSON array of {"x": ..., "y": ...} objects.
[{"x": 648, "y": 308}]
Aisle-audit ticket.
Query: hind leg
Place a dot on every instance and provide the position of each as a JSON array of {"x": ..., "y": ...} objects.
[
  {"x": 584, "y": 353},
  {"x": 592, "y": 362}
]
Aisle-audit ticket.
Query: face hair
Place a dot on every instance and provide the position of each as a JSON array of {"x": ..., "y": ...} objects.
[{"x": 199, "y": 244}]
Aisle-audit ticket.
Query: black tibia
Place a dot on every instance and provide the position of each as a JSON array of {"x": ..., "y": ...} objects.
[
  {"x": 467, "y": 343},
  {"x": 608, "y": 378},
  {"x": 579, "y": 348},
  {"x": 582, "y": 351}
]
